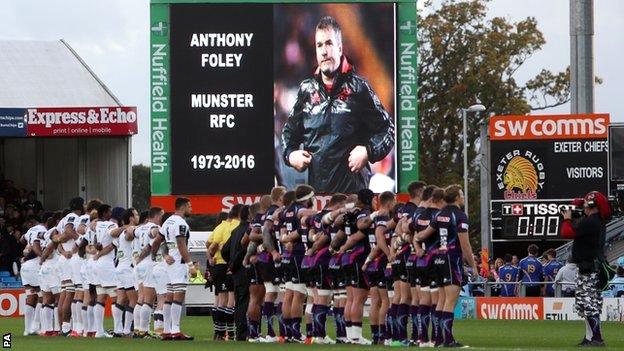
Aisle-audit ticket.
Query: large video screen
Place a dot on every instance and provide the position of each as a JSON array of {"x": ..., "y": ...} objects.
[{"x": 258, "y": 95}]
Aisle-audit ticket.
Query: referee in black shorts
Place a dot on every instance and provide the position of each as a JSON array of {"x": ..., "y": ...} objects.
[
  {"x": 223, "y": 314},
  {"x": 588, "y": 233}
]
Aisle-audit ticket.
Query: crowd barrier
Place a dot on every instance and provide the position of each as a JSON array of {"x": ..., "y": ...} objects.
[
  {"x": 13, "y": 302},
  {"x": 532, "y": 308},
  {"x": 520, "y": 308}
]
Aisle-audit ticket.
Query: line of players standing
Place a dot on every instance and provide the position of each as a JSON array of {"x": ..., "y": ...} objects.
[
  {"x": 75, "y": 261},
  {"x": 301, "y": 261}
]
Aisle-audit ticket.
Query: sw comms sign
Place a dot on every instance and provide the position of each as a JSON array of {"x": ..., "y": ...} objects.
[{"x": 540, "y": 163}]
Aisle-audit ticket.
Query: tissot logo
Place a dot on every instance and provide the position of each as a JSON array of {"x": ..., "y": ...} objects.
[
  {"x": 513, "y": 209},
  {"x": 520, "y": 175},
  {"x": 535, "y": 209}
]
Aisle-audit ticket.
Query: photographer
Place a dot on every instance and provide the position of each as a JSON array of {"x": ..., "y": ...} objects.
[{"x": 588, "y": 233}]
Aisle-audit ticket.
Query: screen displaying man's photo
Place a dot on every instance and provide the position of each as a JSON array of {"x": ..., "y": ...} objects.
[{"x": 334, "y": 96}]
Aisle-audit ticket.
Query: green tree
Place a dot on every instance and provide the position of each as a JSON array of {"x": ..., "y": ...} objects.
[
  {"x": 141, "y": 187},
  {"x": 465, "y": 57}
]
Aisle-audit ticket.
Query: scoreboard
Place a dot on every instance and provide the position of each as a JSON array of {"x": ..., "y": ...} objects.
[
  {"x": 527, "y": 220},
  {"x": 538, "y": 165}
]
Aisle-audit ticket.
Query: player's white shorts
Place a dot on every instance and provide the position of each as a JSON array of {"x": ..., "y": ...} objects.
[
  {"x": 178, "y": 273},
  {"x": 30, "y": 272},
  {"x": 160, "y": 278},
  {"x": 65, "y": 269},
  {"x": 143, "y": 271},
  {"x": 77, "y": 263},
  {"x": 106, "y": 273},
  {"x": 91, "y": 274},
  {"x": 85, "y": 274},
  {"x": 49, "y": 278},
  {"x": 125, "y": 276}
]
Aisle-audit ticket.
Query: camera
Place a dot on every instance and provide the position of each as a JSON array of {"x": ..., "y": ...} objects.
[{"x": 577, "y": 213}]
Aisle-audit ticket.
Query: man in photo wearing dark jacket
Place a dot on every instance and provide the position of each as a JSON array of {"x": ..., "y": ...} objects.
[
  {"x": 339, "y": 120},
  {"x": 588, "y": 233}
]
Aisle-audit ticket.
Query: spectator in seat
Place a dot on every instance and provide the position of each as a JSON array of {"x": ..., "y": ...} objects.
[
  {"x": 617, "y": 283},
  {"x": 11, "y": 194},
  {"x": 11, "y": 250},
  {"x": 13, "y": 218},
  {"x": 2, "y": 206},
  {"x": 550, "y": 271},
  {"x": 508, "y": 273},
  {"x": 494, "y": 277},
  {"x": 33, "y": 204},
  {"x": 531, "y": 272},
  {"x": 566, "y": 276}
]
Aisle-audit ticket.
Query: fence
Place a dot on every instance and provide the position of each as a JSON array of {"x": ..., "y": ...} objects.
[
  {"x": 561, "y": 289},
  {"x": 532, "y": 308}
]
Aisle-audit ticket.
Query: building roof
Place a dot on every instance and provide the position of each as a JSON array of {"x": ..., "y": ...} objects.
[{"x": 48, "y": 74}]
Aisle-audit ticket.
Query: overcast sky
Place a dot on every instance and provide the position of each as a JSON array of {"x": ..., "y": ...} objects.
[{"x": 112, "y": 37}]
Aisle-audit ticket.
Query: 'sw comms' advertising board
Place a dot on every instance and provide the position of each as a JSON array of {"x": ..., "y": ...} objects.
[
  {"x": 252, "y": 95},
  {"x": 538, "y": 164}
]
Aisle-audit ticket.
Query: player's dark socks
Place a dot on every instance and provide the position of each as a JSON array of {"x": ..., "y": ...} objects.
[
  {"x": 375, "y": 333},
  {"x": 425, "y": 318},
  {"x": 594, "y": 323},
  {"x": 315, "y": 322},
  {"x": 283, "y": 330},
  {"x": 254, "y": 329},
  {"x": 230, "y": 327},
  {"x": 288, "y": 327},
  {"x": 447, "y": 326},
  {"x": 383, "y": 333},
  {"x": 322, "y": 320},
  {"x": 435, "y": 322},
  {"x": 309, "y": 330},
  {"x": 402, "y": 318},
  {"x": 414, "y": 313},
  {"x": 341, "y": 330},
  {"x": 296, "y": 327},
  {"x": 268, "y": 312},
  {"x": 216, "y": 320},
  {"x": 388, "y": 325},
  {"x": 392, "y": 322}
]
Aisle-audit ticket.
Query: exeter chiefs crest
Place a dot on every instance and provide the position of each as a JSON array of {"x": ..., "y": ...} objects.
[{"x": 520, "y": 175}]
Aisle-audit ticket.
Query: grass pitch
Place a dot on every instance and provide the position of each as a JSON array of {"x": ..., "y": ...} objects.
[{"x": 479, "y": 334}]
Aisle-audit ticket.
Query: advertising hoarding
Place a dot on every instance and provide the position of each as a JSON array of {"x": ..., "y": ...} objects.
[{"x": 68, "y": 121}]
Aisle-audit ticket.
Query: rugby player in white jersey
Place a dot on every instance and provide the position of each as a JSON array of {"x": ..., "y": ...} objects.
[
  {"x": 49, "y": 279},
  {"x": 78, "y": 262},
  {"x": 175, "y": 232},
  {"x": 67, "y": 228},
  {"x": 126, "y": 294},
  {"x": 160, "y": 280},
  {"x": 30, "y": 274},
  {"x": 144, "y": 269},
  {"x": 106, "y": 230},
  {"x": 87, "y": 251},
  {"x": 136, "y": 252}
]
